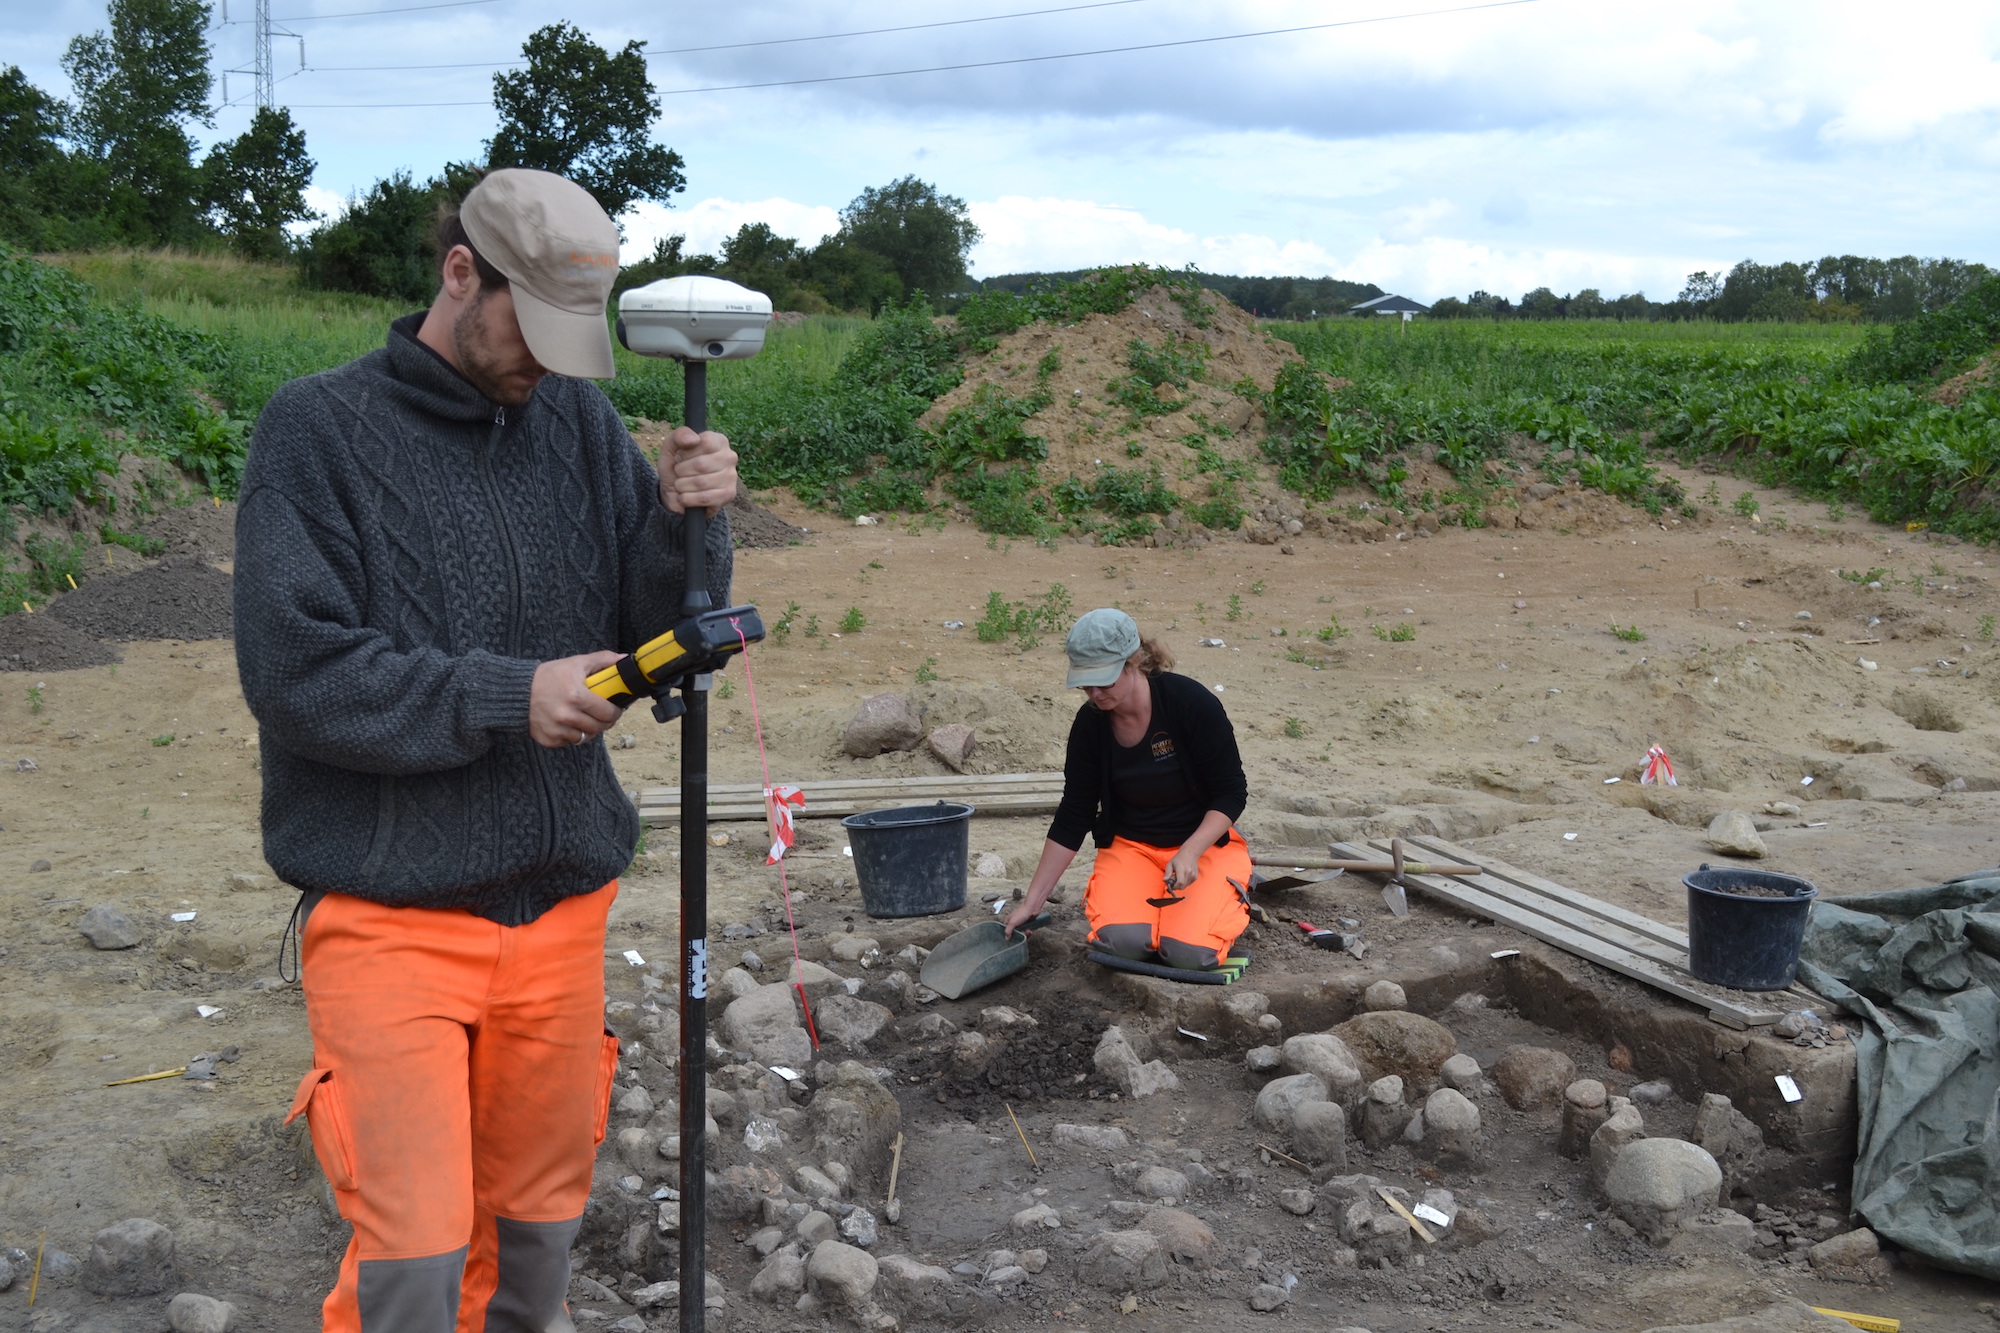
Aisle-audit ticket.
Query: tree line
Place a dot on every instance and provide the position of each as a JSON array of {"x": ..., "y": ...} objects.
[{"x": 1842, "y": 289}]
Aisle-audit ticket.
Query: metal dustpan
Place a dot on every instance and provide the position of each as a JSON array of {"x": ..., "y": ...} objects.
[{"x": 977, "y": 956}]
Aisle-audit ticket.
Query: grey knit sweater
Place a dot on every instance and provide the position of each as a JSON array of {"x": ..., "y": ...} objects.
[{"x": 407, "y": 552}]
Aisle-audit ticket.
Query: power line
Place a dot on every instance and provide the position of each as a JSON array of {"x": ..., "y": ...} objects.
[
  {"x": 984, "y": 64},
  {"x": 774, "y": 41},
  {"x": 1101, "y": 51},
  {"x": 400, "y": 9}
]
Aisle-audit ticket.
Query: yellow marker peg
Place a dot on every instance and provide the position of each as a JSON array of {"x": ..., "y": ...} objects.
[
  {"x": 1874, "y": 1323},
  {"x": 72, "y": 581}
]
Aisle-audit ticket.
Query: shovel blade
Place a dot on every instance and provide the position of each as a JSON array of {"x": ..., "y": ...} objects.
[{"x": 1394, "y": 897}]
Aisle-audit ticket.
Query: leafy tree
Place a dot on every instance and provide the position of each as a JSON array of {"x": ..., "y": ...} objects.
[
  {"x": 853, "y": 276},
  {"x": 668, "y": 260},
  {"x": 925, "y": 236},
  {"x": 31, "y": 160},
  {"x": 1586, "y": 304},
  {"x": 584, "y": 113},
  {"x": 255, "y": 184},
  {"x": 137, "y": 88},
  {"x": 381, "y": 246},
  {"x": 1541, "y": 303},
  {"x": 1702, "y": 287}
]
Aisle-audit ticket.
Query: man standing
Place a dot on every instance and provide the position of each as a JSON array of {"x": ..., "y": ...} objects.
[{"x": 435, "y": 545}]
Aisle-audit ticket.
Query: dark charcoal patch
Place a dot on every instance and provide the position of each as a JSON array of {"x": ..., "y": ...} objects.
[
  {"x": 1052, "y": 1061},
  {"x": 43, "y": 643},
  {"x": 179, "y": 598}
]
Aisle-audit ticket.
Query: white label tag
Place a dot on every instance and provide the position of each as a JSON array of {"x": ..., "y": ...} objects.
[
  {"x": 1506, "y": 953},
  {"x": 789, "y": 1075},
  {"x": 1788, "y": 1088},
  {"x": 697, "y": 969},
  {"x": 181, "y": 916},
  {"x": 1430, "y": 1214},
  {"x": 632, "y": 957}
]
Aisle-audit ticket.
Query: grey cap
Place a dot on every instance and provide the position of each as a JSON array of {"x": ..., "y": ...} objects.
[{"x": 1099, "y": 645}]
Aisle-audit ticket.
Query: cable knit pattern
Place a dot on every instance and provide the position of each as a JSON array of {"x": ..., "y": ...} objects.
[{"x": 407, "y": 553}]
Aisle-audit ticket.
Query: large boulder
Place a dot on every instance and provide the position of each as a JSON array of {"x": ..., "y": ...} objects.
[
  {"x": 854, "y": 1119},
  {"x": 1121, "y": 1067},
  {"x": 1281, "y": 1097},
  {"x": 1124, "y": 1261},
  {"x": 1624, "y": 1128},
  {"x": 843, "y": 1275},
  {"x": 885, "y": 722},
  {"x": 1734, "y": 833},
  {"x": 1656, "y": 1185},
  {"x": 1392, "y": 1041},
  {"x": 1732, "y": 1139},
  {"x": 130, "y": 1258},
  {"x": 1530, "y": 1077},
  {"x": 1185, "y": 1237},
  {"x": 849, "y": 1020},
  {"x": 766, "y": 1023},
  {"x": 1326, "y": 1055},
  {"x": 1451, "y": 1127},
  {"x": 952, "y": 743},
  {"x": 108, "y": 928},
  {"x": 1319, "y": 1134}
]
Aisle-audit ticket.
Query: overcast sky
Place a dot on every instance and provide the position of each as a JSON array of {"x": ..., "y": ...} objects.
[{"x": 1617, "y": 144}]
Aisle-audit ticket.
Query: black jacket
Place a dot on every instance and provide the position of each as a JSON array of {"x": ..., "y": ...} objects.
[
  {"x": 1203, "y": 739},
  {"x": 407, "y": 553}
]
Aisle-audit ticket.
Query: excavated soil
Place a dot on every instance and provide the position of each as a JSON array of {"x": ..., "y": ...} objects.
[
  {"x": 1086, "y": 426},
  {"x": 1496, "y": 726},
  {"x": 44, "y": 643},
  {"x": 182, "y": 597}
]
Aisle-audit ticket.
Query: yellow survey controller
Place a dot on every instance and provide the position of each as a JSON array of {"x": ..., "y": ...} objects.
[{"x": 697, "y": 645}]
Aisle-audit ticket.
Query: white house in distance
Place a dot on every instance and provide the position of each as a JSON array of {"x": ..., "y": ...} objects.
[{"x": 1391, "y": 304}]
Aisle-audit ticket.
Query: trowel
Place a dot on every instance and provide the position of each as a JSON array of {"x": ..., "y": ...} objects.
[{"x": 977, "y": 957}]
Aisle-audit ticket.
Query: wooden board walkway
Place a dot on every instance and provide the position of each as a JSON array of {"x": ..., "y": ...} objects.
[
  {"x": 1592, "y": 929},
  {"x": 835, "y": 798}
]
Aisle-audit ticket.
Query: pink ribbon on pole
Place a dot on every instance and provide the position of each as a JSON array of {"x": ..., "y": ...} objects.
[{"x": 1659, "y": 769}]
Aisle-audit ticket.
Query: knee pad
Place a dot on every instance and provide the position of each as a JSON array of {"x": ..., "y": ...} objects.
[
  {"x": 1132, "y": 940},
  {"x": 1194, "y": 957}
]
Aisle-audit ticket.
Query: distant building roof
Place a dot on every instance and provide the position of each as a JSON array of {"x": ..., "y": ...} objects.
[{"x": 1389, "y": 305}]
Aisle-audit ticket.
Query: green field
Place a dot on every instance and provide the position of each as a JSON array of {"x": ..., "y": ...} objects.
[{"x": 174, "y": 354}]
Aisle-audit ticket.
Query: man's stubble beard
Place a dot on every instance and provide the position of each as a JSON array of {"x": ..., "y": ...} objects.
[{"x": 471, "y": 333}]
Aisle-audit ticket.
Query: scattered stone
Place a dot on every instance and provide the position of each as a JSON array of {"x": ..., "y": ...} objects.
[
  {"x": 1319, "y": 1134},
  {"x": 1268, "y": 1297},
  {"x": 989, "y": 865},
  {"x": 1263, "y": 1059},
  {"x": 914, "y": 1285},
  {"x": 1443, "y": 1202},
  {"x": 6, "y": 1272},
  {"x": 765, "y": 1022},
  {"x": 852, "y": 948},
  {"x": 1185, "y": 1237},
  {"x": 631, "y": 1323},
  {"x": 885, "y": 722},
  {"x": 1282, "y": 1097},
  {"x": 1120, "y": 1065},
  {"x": 1655, "y": 1093},
  {"x": 1718, "y": 1231},
  {"x": 1532, "y": 1076},
  {"x": 1327, "y": 1056},
  {"x": 858, "y": 1228},
  {"x": 635, "y": 1100},
  {"x": 849, "y": 1020},
  {"x": 842, "y": 1274},
  {"x": 1161, "y": 1182},
  {"x": 751, "y": 961},
  {"x": 1241, "y": 1010},
  {"x": 1849, "y": 1250},
  {"x": 583, "y": 1288},
  {"x": 1585, "y": 1107},
  {"x": 1000, "y": 1018},
  {"x": 1007, "y": 1277},
  {"x": 1034, "y": 1261},
  {"x": 1384, "y": 1114},
  {"x": 782, "y": 1278},
  {"x": 952, "y": 743},
  {"x": 1097, "y": 1138},
  {"x": 108, "y": 928},
  {"x": 912, "y": 956},
  {"x": 735, "y": 983},
  {"x": 1384, "y": 995},
  {"x": 1297, "y": 1202},
  {"x": 1041, "y": 1217},
  {"x": 1462, "y": 1073},
  {"x": 1732, "y": 1139},
  {"x": 1124, "y": 1261},
  {"x": 1451, "y": 1127},
  {"x": 816, "y": 1227},
  {"x": 1378, "y": 1233},
  {"x": 130, "y": 1258},
  {"x": 1657, "y": 1185},
  {"x": 1734, "y": 833},
  {"x": 1397, "y": 1042},
  {"x": 766, "y": 1241},
  {"x": 1624, "y": 1128},
  {"x": 815, "y": 1183},
  {"x": 657, "y": 1295},
  {"x": 192, "y": 1313},
  {"x": 1442, "y": 956},
  {"x": 972, "y": 1052}
]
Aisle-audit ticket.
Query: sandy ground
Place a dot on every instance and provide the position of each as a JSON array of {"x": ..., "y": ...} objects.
[{"x": 1498, "y": 725}]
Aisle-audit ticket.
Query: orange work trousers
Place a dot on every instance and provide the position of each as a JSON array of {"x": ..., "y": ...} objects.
[
  {"x": 1195, "y": 932},
  {"x": 461, "y": 1082}
]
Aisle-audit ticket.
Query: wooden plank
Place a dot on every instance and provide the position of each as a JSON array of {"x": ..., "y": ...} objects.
[
  {"x": 1597, "y": 907},
  {"x": 836, "y": 798},
  {"x": 1525, "y": 879},
  {"x": 1567, "y": 937}
]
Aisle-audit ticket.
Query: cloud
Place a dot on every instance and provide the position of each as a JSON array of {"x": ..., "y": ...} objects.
[{"x": 709, "y": 222}]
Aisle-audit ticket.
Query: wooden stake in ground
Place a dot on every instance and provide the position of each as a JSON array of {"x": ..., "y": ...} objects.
[
  {"x": 1407, "y": 1216},
  {"x": 895, "y": 1165},
  {"x": 1293, "y": 1160},
  {"x": 1024, "y": 1138},
  {"x": 35, "y": 1283},
  {"x": 147, "y": 1078}
]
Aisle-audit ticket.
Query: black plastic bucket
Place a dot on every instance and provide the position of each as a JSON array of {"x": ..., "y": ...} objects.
[
  {"x": 911, "y": 861},
  {"x": 1746, "y": 941}
]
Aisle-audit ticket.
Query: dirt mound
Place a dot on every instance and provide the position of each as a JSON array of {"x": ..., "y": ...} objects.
[
  {"x": 1952, "y": 392},
  {"x": 752, "y": 525},
  {"x": 1085, "y": 370},
  {"x": 179, "y": 598},
  {"x": 43, "y": 643},
  {"x": 203, "y": 530}
]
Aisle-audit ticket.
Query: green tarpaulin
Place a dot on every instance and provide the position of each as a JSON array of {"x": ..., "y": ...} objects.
[{"x": 1921, "y": 968}]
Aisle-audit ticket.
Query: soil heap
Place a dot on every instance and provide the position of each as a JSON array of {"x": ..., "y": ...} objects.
[{"x": 179, "y": 598}]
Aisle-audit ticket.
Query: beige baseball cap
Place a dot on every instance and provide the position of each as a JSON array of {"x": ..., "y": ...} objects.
[{"x": 559, "y": 251}]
